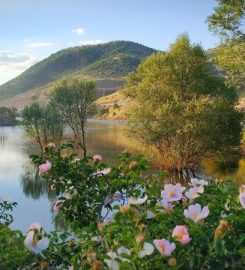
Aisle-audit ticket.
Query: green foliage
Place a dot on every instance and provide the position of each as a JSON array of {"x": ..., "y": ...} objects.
[
  {"x": 113, "y": 59},
  {"x": 43, "y": 123},
  {"x": 5, "y": 207},
  {"x": 230, "y": 58},
  {"x": 228, "y": 22},
  {"x": 75, "y": 101},
  {"x": 13, "y": 254},
  {"x": 217, "y": 242},
  {"x": 114, "y": 66},
  {"x": 181, "y": 108},
  {"x": 228, "y": 18},
  {"x": 85, "y": 184},
  {"x": 8, "y": 116}
]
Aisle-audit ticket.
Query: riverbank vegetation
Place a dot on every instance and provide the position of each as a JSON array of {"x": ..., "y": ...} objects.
[
  {"x": 71, "y": 103},
  {"x": 43, "y": 124},
  {"x": 121, "y": 219},
  {"x": 132, "y": 216},
  {"x": 8, "y": 116},
  {"x": 181, "y": 109}
]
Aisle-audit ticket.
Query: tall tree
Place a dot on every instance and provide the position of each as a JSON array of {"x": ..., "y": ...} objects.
[
  {"x": 43, "y": 123},
  {"x": 182, "y": 111},
  {"x": 75, "y": 100},
  {"x": 230, "y": 58},
  {"x": 228, "y": 19}
]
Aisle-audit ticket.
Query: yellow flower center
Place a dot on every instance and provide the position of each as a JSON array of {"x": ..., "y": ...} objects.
[
  {"x": 179, "y": 236},
  {"x": 34, "y": 242},
  {"x": 194, "y": 215},
  {"x": 162, "y": 247},
  {"x": 171, "y": 193}
]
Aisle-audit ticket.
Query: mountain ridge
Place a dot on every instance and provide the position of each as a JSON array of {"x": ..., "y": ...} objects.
[{"x": 107, "y": 60}]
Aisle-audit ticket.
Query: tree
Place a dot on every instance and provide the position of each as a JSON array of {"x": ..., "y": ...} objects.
[
  {"x": 8, "y": 116},
  {"x": 182, "y": 111},
  {"x": 228, "y": 19},
  {"x": 43, "y": 123},
  {"x": 75, "y": 100},
  {"x": 230, "y": 58}
]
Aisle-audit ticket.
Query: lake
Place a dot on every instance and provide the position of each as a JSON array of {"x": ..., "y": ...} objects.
[{"x": 17, "y": 181}]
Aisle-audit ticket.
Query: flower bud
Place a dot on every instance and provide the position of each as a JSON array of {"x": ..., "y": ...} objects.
[
  {"x": 124, "y": 209},
  {"x": 43, "y": 265},
  {"x": 97, "y": 158},
  {"x": 172, "y": 261},
  {"x": 218, "y": 233},
  {"x": 132, "y": 165},
  {"x": 139, "y": 238},
  {"x": 141, "y": 226},
  {"x": 101, "y": 226},
  {"x": 91, "y": 256},
  {"x": 224, "y": 223},
  {"x": 97, "y": 265}
]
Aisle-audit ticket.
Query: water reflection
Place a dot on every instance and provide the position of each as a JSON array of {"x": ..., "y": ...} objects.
[
  {"x": 232, "y": 171},
  {"x": 14, "y": 165},
  {"x": 35, "y": 186},
  {"x": 19, "y": 181}
]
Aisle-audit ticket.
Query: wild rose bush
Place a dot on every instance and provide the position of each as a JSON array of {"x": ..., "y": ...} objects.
[
  {"x": 13, "y": 254},
  {"x": 6, "y": 208},
  {"x": 149, "y": 224}
]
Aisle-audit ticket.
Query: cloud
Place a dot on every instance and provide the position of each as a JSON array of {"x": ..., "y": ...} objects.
[
  {"x": 79, "y": 31},
  {"x": 91, "y": 42},
  {"x": 39, "y": 44},
  {"x": 12, "y": 64}
]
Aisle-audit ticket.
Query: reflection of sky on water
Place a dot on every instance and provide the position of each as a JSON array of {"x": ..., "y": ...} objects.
[
  {"x": 14, "y": 163},
  {"x": 17, "y": 176}
]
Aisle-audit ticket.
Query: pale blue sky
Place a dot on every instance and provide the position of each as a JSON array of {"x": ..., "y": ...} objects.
[{"x": 30, "y": 30}]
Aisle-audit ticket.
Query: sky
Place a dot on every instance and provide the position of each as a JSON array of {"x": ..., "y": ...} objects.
[{"x": 31, "y": 30}]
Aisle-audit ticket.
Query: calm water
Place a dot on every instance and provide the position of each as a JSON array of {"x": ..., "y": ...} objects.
[{"x": 17, "y": 175}]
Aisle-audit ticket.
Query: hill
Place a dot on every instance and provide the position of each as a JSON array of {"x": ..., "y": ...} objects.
[{"x": 113, "y": 61}]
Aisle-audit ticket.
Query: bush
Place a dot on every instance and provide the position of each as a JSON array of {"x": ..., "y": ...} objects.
[{"x": 124, "y": 218}]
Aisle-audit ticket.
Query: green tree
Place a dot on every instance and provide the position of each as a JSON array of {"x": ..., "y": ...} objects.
[
  {"x": 182, "y": 111},
  {"x": 228, "y": 19},
  {"x": 75, "y": 100},
  {"x": 8, "y": 116},
  {"x": 43, "y": 123},
  {"x": 230, "y": 58}
]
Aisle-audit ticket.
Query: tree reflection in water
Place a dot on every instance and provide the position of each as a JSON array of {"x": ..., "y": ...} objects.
[{"x": 35, "y": 186}]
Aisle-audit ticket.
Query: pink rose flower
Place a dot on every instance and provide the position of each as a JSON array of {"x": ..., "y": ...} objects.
[
  {"x": 181, "y": 234},
  {"x": 196, "y": 212},
  {"x": 194, "y": 192},
  {"x": 164, "y": 246},
  {"x": 196, "y": 182},
  {"x": 165, "y": 204},
  {"x": 45, "y": 167},
  {"x": 52, "y": 187},
  {"x": 36, "y": 227},
  {"x": 57, "y": 205},
  {"x": 97, "y": 158},
  {"x": 172, "y": 193}
]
